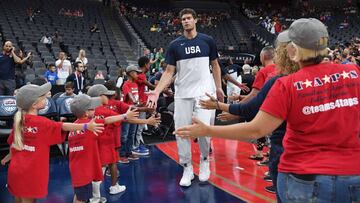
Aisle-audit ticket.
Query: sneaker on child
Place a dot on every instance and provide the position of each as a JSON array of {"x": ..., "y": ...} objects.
[
  {"x": 116, "y": 189},
  {"x": 140, "y": 151},
  {"x": 124, "y": 160},
  {"x": 133, "y": 157}
]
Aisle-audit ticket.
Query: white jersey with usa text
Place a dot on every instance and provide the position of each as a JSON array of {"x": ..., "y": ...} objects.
[{"x": 192, "y": 60}]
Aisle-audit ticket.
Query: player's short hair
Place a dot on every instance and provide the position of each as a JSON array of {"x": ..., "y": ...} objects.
[{"x": 188, "y": 11}]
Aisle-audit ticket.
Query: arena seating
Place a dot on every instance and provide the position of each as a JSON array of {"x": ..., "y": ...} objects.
[
  {"x": 224, "y": 35},
  {"x": 102, "y": 50},
  {"x": 339, "y": 34}
]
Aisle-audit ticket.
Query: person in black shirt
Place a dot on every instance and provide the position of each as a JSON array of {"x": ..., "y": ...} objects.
[{"x": 77, "y": 78}]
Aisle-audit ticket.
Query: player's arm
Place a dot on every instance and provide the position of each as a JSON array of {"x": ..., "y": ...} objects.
[
  {"x": 165, "y": 79},
  {"x": 228, "y": 78},
  {"x": 217, "y": 78}
]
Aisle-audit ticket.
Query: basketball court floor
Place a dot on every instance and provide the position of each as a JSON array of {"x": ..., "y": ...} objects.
[{"x": 154, "y": 179}]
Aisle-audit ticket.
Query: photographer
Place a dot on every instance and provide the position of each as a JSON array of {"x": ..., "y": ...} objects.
[{"x": 8, "y": 59}]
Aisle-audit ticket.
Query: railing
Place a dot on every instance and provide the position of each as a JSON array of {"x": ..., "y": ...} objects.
[{"x": 133, "y": 41}]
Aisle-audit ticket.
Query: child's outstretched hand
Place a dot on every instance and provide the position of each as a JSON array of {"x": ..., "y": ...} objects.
[
  {"x": 3, "y": 162},
  {"x": 153, "y": 120},
  {"x": 95, "y": 127},
  {"x": 132, "y": 114}
]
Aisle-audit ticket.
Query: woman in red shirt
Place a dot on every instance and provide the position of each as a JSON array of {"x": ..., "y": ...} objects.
[
  {"x": 30, "y": 142},
  {"x": 320, "y": 104}
]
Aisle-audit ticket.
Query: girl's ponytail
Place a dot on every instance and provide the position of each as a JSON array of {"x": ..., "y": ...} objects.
[{"x": 18, "y": 129}]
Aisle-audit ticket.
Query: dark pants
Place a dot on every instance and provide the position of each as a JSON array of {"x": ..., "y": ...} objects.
[
  {"x": 274, "y": 159},
  {"x": 7, "y": 87}
]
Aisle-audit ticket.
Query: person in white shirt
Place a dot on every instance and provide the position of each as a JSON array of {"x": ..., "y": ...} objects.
[
  {"x": 63, "y": 67},
  {"x": 82, "y": 57}
]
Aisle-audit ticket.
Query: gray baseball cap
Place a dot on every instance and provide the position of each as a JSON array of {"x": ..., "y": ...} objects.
[
  {"x": 283, "y": 37},
  {"x": 306, "y": 33},
  {"x": 81, "y": 103},
  {"x": 28, "y": 94},
  {"x": 133, "y": 68},
  {"x": 98, "y": 90}
]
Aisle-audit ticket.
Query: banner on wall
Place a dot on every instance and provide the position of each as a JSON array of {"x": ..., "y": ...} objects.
[{"x": 237, "y": 57}]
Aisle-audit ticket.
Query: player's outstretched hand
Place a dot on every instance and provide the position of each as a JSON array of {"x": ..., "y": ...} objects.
[
  {"x": 154, "y": 121},
  {"x": 152, "y": 99}
]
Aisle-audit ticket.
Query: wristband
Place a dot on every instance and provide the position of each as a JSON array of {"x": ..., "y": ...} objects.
[
  {"x": 125, "y": 117},
  {"x": 85, "y": 126}
]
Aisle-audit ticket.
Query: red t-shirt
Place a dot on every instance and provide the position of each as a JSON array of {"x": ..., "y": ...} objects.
[
  {"x": 28, "y": 174},
  {"x": 108, "y": 154},
  {"x": 132, "y": 88},
  {"x": 84, "y": 158},
  {"x": 321, "y": 106},
  {"x": 120, "y": 108},
  {"x": 141, "y": 86},
  {"x": 263, "y": 75}
]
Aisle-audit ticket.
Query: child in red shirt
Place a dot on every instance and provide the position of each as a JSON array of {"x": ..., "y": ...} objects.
[
  {"x": 30, "y": 143},
  {"x": 84, "y": 152},
  {"x": 108, "y": 154}
]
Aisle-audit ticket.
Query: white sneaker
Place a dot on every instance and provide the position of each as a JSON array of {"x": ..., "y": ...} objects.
[
  {"x": 188, "y": 176},
  {"x": 98, "y": 200},
  {"x": 204, "y": 170},
  {"x": 116, "y": 189}
]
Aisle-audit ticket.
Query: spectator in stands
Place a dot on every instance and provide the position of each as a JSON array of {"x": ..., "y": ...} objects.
[
  {"x": 58, "y": 39},
  {"x": 8, "y": 59},
  {"x": 77, "y": 78},
  {"x": 99, "y": 75},
  {"x": 20, "y": 68},
  {"x": 159, "y": 57},
  {"x": 69, "y": 90},
  {"x": 30, "y": 14},
  {"x": 119, "y": 82},
  {"x": 51, "y": 75},
  {"x": 82, "y": 57},
  {"x": 63, "y": 67},
  {"x": 46, "y": 39}
]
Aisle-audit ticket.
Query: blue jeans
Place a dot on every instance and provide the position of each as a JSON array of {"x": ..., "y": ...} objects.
[
  {"x": 320, "y": 189},
  {"x": 127, "y": 138}
]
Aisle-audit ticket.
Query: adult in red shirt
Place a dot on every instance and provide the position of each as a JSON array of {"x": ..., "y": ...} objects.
[
  {"x": 268, "y": 71},
  {"x": 30, "y": 143},
  {"x": 321, "y": 151}
]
